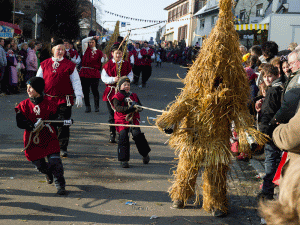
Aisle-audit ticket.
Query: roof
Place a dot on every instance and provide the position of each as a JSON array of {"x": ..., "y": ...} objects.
[{"x": 174, "y": 4}]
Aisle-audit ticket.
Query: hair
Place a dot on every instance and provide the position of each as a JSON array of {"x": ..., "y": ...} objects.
[
  {"x": 31, "y": 43},
  {"x": 275, "y": 61},
  {"x": 1, "y": 39},
  {"x": 6, "y": 43},
  {"x": 285, "y": 210},
  {"x": 66, "y": 40},
  {"x": 23, "y": 44},
  {"x": 297, "y": 53},
  {"x": 243, "y": 48},
  {"x": 269, "y": 49},
  {"x": 256, "y": 49},
  {"x": 270, "y": 69},
  {"x": 116, "y": 46},
  {"x": 252, "y": 61},
  {"x": 282, "y": 60},
  {"x": 138, "y": 44},
  {"x": 292, "y": 46}
]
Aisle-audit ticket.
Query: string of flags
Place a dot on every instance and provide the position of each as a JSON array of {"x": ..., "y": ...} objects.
[{"x": 135, "y": 19}]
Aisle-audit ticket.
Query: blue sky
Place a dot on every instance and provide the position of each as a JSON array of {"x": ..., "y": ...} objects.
[{"x": 140, "y": 9}]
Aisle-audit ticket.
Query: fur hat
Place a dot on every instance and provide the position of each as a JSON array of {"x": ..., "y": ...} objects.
[
  {"x": 37, "y": 83},
  {"x": 121, "y": 81}
]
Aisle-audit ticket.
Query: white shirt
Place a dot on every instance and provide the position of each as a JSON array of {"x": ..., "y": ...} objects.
[
  {"x": 111, "y": 80},
  {"x": 74, "y": 78}
]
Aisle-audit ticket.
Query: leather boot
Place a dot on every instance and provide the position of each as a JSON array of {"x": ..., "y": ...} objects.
[{"x": 88, "y": 109}]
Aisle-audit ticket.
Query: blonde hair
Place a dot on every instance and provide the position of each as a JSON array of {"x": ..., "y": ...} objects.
[{"x": 292, "y": 46}]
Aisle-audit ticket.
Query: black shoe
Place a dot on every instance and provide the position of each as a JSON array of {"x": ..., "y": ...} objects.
[
  {"x": 117, "y": 137},
  {"x": 124, "y": 164},
  {"x": 146, "y": 159},
  {"x": 112, "y": 138},
  {"x": 218, "y": 213},
  {"x": 64, "y": 153},
  {"x": 49, "y": 178},
  {"x": 143, "y": 85},
  {"x": 61, "y": 191},
  {"x": 96, "y": 108},
  {"x": 264, "y": 196},
  {"x": 178, "y": 204},
  {"x": 88, "y": 109}
]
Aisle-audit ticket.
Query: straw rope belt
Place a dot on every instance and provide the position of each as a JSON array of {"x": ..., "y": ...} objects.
[{"x": 67, "y": 98}]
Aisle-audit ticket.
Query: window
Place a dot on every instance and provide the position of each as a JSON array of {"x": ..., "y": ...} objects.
[
  {"x": 214, "y": 20},
  {"x": 181, "y": 10},
  {"x": 259, "y": 10},
  {"x": 182, "y": 33},
  {"x": 243, "y": 16},
  {"x": 202, "y": 23},
  {"x": 185, "y": 9},
  {"x": 173, "y": 14},
  {"x": 169, "y": 16}
]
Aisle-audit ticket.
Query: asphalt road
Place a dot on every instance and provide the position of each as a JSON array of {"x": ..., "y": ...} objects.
[{"x": 98, "y": 188}]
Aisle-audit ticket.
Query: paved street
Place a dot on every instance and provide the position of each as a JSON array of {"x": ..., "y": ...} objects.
[{"x": 98, "y": 188}]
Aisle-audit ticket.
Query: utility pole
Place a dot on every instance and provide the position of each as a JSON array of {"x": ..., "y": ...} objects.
[
  {"x": 14, "y": 12},
  {"x": 92, "y": 14}
]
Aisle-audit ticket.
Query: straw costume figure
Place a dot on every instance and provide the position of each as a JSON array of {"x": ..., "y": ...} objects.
[
  {"x": 216, "y": 94},
  {"x": 113, "y": 39}
]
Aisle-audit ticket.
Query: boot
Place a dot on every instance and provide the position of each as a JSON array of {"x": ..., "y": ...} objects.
[
  {"x": 96, "y": 105},
  {"x": 97, "y": 108},
  {"x": 49, "y": 178},
  {"x": 88, "y": 109}
]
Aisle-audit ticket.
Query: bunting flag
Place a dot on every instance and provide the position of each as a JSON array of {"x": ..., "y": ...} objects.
[{"x": 135, "y": 19}]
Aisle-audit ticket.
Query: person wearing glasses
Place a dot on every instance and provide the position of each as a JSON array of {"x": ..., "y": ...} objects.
[{"x": 291, "y": 96}]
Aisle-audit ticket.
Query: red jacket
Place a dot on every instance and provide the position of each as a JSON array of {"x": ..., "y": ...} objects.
[
  {"x": 137, "y": 61},
  {"x": 92, "y": 60},
  {"x": 145, "y": 53},
  {"x": 120, "y": 117},
  {"x": 111, "y": 70},
  {"x": 57, "y": 81},
  {"x": 48, "y": 142}
]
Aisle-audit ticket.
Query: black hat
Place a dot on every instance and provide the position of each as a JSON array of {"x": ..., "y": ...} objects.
[
  {"x": 92, "y": 33},
  {"x": 115, "y": 47},
  {"x": 37, "y": 83},
  {"x": 122, "y": 80},
  {"x": 58, "y": 42}
]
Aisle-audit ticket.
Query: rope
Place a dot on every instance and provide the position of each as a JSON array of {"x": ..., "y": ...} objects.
[
  {"x": 151, "y": 109},
  {"x": 35, "y": 139}
]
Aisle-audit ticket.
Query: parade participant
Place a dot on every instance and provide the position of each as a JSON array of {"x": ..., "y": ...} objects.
[
  {"x": 147, "y": 55},
  {"x": 112, "y": 71},
  {"x": 124, "y": 103},
  {"x": 90, "y": 71},
  {"x": 71, "y": 54},
  {"x": 137, "y": 66},
  {"x": 61, "y": 81},
  {"x": 30, "y": 114}
]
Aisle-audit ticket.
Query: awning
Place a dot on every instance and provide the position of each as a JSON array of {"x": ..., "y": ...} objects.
[
  {"x": 16, "y": 28},
  {"x": 252, "y": 26}
]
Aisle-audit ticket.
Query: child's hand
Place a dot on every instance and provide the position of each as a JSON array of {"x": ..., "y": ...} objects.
[{"x": 116, "y": 79}]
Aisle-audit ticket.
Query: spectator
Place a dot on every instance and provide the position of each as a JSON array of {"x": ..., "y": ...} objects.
[
  {"x": 292, "y": 46},
  {"x": 285, "y": 210},
  {"x": 256, "y": 50},
  {"x": 45, "y": 52},
  {"x": 243, "y": 50},
  {"x": 11, "y": 73},
  {"x": 3, "y": 62},
  {"x": 270, "y": 106},
  {"x": 291, "y": 95},
  {"x": 31, "y": 61},
  {"x": 23, "y": 52},
  {"x": 269, "y": 51}
]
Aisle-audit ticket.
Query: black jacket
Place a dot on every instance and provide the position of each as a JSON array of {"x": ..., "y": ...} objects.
[{"x": 270, "y": 106}]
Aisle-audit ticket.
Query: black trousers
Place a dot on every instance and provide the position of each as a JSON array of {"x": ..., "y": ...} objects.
[
  {"x": 111, "y": 119},
  {"x": 124, "y": 145},
  {"x": 146, "y": 73},
  {"x": 64, "y": 112},
  {"x": 53, "y": 166},
  {"x": 87, "y": 84},
  {"x": 136, "y": 73}
]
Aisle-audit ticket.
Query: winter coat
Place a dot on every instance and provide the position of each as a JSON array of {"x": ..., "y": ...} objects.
[
  {"x": 31, "y": 61},
  {"x": 270, "y": 106}
]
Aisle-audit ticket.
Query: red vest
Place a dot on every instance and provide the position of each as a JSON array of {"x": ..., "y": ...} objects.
[
  {"x": 58, "y": 83},
  {"x": 111, "y": 70},
  {"x": 48, "y": 139},
  {"x": 137, "y": 61},
  {"x": 120, "y": 117},
  {"x": 93, "y": 61},
  {"x": 71, "y": 53},
  {"x": 144, "y": 52}
]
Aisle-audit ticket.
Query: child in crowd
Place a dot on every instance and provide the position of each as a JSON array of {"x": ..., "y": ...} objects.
[
  {"x": 110, "y": 77},
  {"x": 30, "y": 114},
  {"x": 126, "y": 112},
  {"x": 270, "y": 106}
]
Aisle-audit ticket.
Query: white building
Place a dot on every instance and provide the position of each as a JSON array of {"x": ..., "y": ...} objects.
[
  {"x": 206, "y": 19},
  {"x": 181, "y": 22}
]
